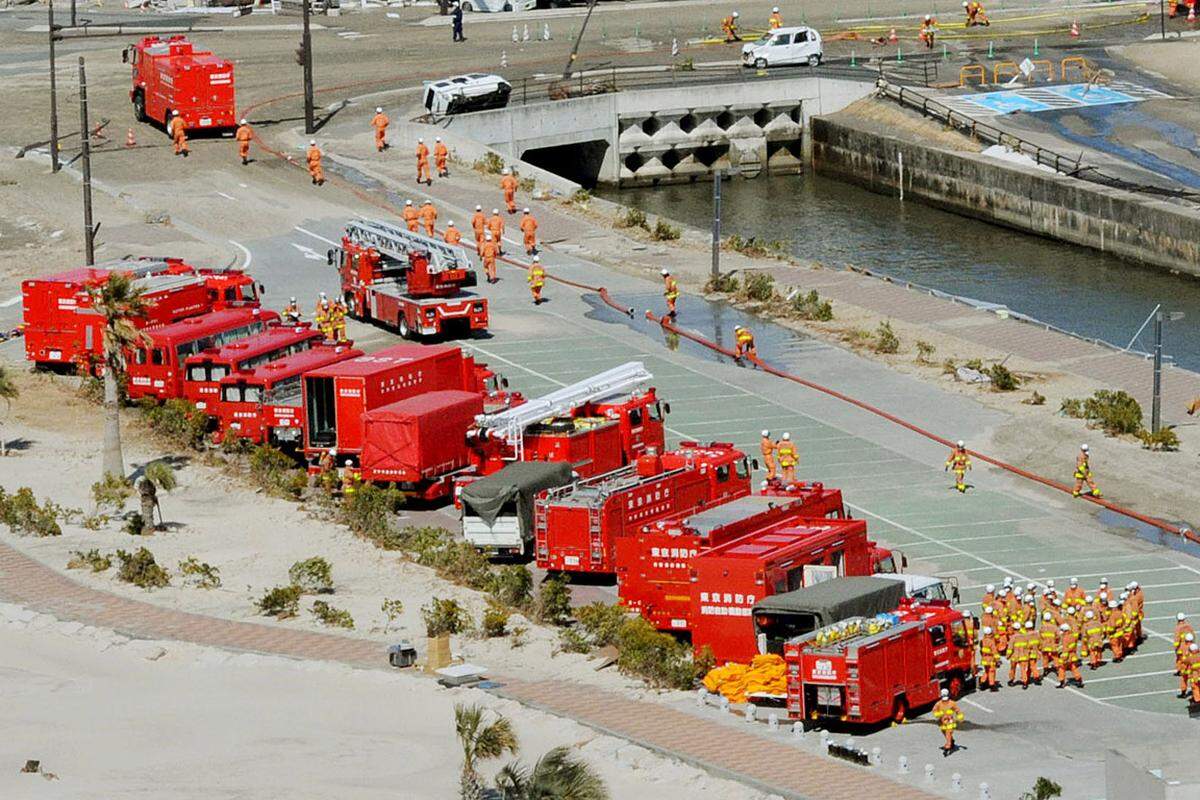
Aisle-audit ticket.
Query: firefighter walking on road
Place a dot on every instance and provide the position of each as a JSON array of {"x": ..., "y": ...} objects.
[
  {"x": 729, "y": 26},
  {"x": 928, "y": 31},
  {"x": 948, "y": 715},
  {"x": 1068, "y": 655},
  {"x": 508, "y": 185},
  {"x": 989, "y": 657},
  {"x": 529, "y": 228},
  {"x": 1193, "y": 671},
  {"x": 959, "y": 461},
  {"x": 496, "y": 226},
  {"x": 1093, "y": 632},
  {"x": 337, "y": 320},
  {"x": 478, "y": 224},
  {"x": 244, "y": 135},
  {"x": 788, "y": 458},
  {"x": 488, "y": 254},
  {"x": 440, "y": 156},
  {"x": 453, "y": 235},
  {"x": 178, "y": 133},
  {"x": 671, "y": 292},
  {"x": 744, "y": 339},
  {"x": 428, "y": 217},
  {"x": 536, "y": 279},
  {"x": 767, "y": 447},
  {"x": 423, "y": 163},
  {"x": 313, "y": 157},
  {"x": 412, "y": 219},
  {"x": 1083, "y": 473},
  {"x": 380, "y": 123}
]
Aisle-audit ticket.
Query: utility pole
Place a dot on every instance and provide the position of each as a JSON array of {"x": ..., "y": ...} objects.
[
  {"x": 54, "y": 165},
  {"x": 1155, "y": 414},
  {"x": 72, "y": 13},
  {"x": 89, "y": 230},
  {"x": 1162, "y": 19},
  {"x": 716, "y": 234},
  {"x": 306, "y": 48}
]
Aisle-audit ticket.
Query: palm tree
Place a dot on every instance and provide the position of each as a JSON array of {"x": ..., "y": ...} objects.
[
  {"x": 120, "y": 302},
  {"x": 8, "y": 393},
  {"x": 480, "y": 742},
  {"x": 558, "y": 775}
]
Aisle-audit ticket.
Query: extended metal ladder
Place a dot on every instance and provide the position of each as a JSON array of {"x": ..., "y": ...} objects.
[
  {"x": 511, "y": 423},
  {"x": 396, "y": 242}
]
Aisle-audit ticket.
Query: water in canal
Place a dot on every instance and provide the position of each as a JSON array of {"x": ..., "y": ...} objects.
[{"x": 1074, "y": 288}]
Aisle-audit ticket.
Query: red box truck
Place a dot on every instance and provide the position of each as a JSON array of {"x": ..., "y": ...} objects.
[
  {"x": 172, "y": 75},
  {"x": 412, "y": 441}
]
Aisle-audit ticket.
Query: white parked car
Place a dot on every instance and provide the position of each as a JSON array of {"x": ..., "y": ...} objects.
[
  {"x": 784, "y": 46},
  {"x": 462, "y": 93},
  {"x": 493, "y": 6}
]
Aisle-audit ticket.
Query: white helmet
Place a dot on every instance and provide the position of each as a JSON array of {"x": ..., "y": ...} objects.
[
  {"x": 787, "y": 437},
  {"x": 1029, "y": 587},
  {"x": 1074, "y": 581},
  {"x": 766, "y": 434},
  {"x": 1089, "y": 599},
  {"x": 1191, "y": 637},
  {"x": 1008, "y": 581},
  {"x": 965, "y": 3},
  {"x": 174, "y": 113},
  {"x": 774, "y": 9},
  {"x": 991, "y": 587},
  {"x": 961, "y": 443},
  {"x": 243, "y": 122},
  {"x": 450, "y": 224},
  {"x": 537, "y": 259},
  {"x": 1029, "y": 624},
  {"x": 420, "y": 141},
  {"x": 437, "y": 138},
  {"x": 1050, "y": 583},
  {"x": 1193, "y": 648},
  {"x": 1133, "y": 584},
  {"x": 665, "y": 272},
  {"x": 408, "y": 202},
  {"x": 1112, "y": 603},
  {"x": 322, "y": 295},
  {"x": 987, "y": 609},
  {"x": 736, "y": 15},
  {"x": 378, "y": 109},
  {"x": 928, "y": 17},
  {"x": 311, "y": 142},
  {"x": 478, "y": 207},
  {"x": 1180, "y": 617},
  {"x": 333, "y": 451},
  {"x": 1064, "y": 627},
  {"x": 495, "y": 211},
  {"x": 966, "y": 614},
  {"x": 1083, "y": 447},
  {"x": 945, "y": 694},
  {"x": 1070, "y": 609},
  {"x": 987, "y": 630},
  {"x": 1046, "y": 616},
  {"x": 505, "y": 171},
  {"x": 487, "y": 235},
  {"x": 525, "y": 211},
  {"x": 1089, "y": 614}
]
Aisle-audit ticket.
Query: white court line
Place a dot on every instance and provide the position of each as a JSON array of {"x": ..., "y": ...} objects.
[
  {"x": 1124, "y": 696},
  {"x": 981, "y": 522},
  {"x": 12, "y": 301},
  {"x": 1071, "y": 561},
  {"x": 1090, "y": 575},
  {"x": 984, "y": 709},
  {"x": 1131, "y": 677},
  {"x": 227, "y": 196},
  {"x": 1170, "y": 653},
  {"x": 317, "y": 236},
  {"x": 244, "y": 249},
  {"x": 983, "y": 538},
  {"x": 1176, "y": 600}
]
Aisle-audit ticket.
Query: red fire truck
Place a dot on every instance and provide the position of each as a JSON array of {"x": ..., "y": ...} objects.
[
  {"x": 204, "y": 371},
  {"x": 869, "y": 670},
  {"x": 172, "y": 75},
  {"x": 337, "y": 397},
  {"x": 156, "y": 369},
  {"x": 406, "y": 281},
  {"x": 62, "y": 328},
  {"x": 579, "y": 527},
  {"x": 264, "y": 404}
]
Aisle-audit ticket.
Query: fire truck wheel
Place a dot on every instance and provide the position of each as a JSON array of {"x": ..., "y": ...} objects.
[
  {"x": 167, "y": 122},
  {"x": 405, "y": 333},
  {"x": 899, "y": 710},
  {"x": 139, "y": 107},
  {"x": 955, "y": 686}
]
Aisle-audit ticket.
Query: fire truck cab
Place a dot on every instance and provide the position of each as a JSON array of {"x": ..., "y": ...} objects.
[
  {"x": 172, "y": 75},
  {"x": 204, "y": 371}
]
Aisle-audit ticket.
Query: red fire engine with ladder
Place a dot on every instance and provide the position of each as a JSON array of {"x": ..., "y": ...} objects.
[{"x": 406, "y": 281}]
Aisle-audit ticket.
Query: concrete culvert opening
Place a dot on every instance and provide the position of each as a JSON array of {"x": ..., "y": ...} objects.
[
  {"x": 671, "y": 158},
  {"x": 579, "y": 161},
  {"x": 725, "y": 120},
  {"x": 651, "y": 126},
  {"x": 763, "y": 117},
  {"x": 634, "y": 162},
  {"x": 687, "y": 123},
  {"x": 796, "y": 114},
  {"x": 708, "y": 155}
]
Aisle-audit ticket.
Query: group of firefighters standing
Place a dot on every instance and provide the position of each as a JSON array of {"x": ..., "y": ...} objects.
[{"x": 329, "y": 316}]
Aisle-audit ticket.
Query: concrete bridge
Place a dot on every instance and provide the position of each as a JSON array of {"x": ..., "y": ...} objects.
[{"x": 666, "y": 135}]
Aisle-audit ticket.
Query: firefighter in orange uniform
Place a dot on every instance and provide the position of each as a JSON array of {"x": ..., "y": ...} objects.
[
  {"x": 928, "y": 31},
  {"x": 1015, "y": 652},
  {"x": 338, "y": 320},
  {"x": 1193, "y": 406},
  {"x": 314, "y": 163},
  {"x": 989, "y": 657},
  {"x": 1068, "y": 655},
  {"x": 729, "y": 26},
  {"x": 1194, "y": 671},
  {"x": 428, "y": 217},
  {"x": 495, "y": 225},
  {"x": 1093, "y": 638},
  {"x": 291, "y": 312},
  {"x": 412, "y": 218},
  {"x": 1182, "y": 659},
  {"x": 244, "y": 136},
  {"x": 1074, "y": 596},
  {"x": 788, "y": 458},
  {"x": 948, "y": 715},
  {"x": 179, "y": 134},
  {"x": 453, "y": 234},
  {"x": 775, "y": 21},
  {"x": 960, "y": 462},
  {"x": 440, "y": 156},
  {"x": 536, "y": 279},
  {"x": 1182, "y": 629},
  {"x": 423, "y": 163},
  {"x": 975, "y": 14},
  {"x": 767, "y": 447},
  {"x": 1137, "y": 599},
  {"x": 1189, "y": 668},
  {"x": 1114, "y": 623},
  {"x": 1083, "y": 473},
  {"x": 1047, "y": 645},
  {"x": 478, "y": 223},
  {"x": 508, "y": 184},
  {"x": 489, "y": 257},
  {"x": 529, "y": 227},
  {"x": 744, "y": 339},
  {"x": 380, "y": 123},
  {"x": 671, "y": 292}
]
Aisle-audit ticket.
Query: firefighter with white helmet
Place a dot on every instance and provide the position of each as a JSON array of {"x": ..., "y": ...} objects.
[
  {"x": 313, "y": 158},
  {"x": 767, "y": 448},
  {"x": 670, "y": 291},
  {"x": 244, "y": 135},
  {"x": 291, "y": 312},
  {"x": 959, "y": 461},
  {"x": 775, "y": 21},
  {"x": 744, "y": 343},
  {"x": 1083, "y": 473},
  {"x": 380, "y": 123},
  {"x": 729, "y": 26},
  {"x": 948, "y": 715},
  {"x": 788, "y": 458}
]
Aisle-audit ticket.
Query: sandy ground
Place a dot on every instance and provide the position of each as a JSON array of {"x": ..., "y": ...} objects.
[{"x": 110, "y": 717}]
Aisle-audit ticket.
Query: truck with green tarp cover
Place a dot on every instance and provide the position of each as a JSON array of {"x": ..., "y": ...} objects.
[
  {"x": 780, "y": 617},
  {"x": 497, "y": 511}
]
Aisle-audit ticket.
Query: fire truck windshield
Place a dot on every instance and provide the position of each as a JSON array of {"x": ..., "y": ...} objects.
[{"x": 286, "y": 392}]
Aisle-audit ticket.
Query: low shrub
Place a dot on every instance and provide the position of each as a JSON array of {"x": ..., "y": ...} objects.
[
  {"x": 92, "y": 559},
  {"x": 370, "y": 510},
  {"x": 1002, "y": 378},
  {"x": 276, "y": 473},
  {"x": 754, "y": 247},
  {"x": 421, "y": 544},
  {"x": 632, "y": 218},
  {"x": 601, "y": 623},
  {"x": 975, "y": 364},
  {"x": 857, "y": 337},
  {"x": 1165, "y": 439},
  {"x": 724, "y": 283},
  {"x": 490, "y": 164},
  {"x": 1114, "y": 411},
  {"x": 392, "y": 610},
  {"x": 1071, "y": 407},
  {"x": 581, "y": 198},
  {"x": 810, "y": 307},
  {"x": 136, "y": 525},
  {"x": 665, "y": 231},
  {"x": 757, "y": 286},
  {"x": 177, "y": 420},
  {"x": 574, "y": 640},
  {"x": 140, "y": 569},
  {"x": 657, "y": 658},
  {"x": 112, "y": 492},
  {"x": 444, "y": 616},
  {"x": 553, "y": 605},
  {"x": 526, "y": 185},
  {"x": 199, "y": 574},
  {"x": 22, "y": 514},
  {"x": 459, "y": 562},
  {"x": 330, "y": 616},
  {"x": 312, "y": 575},
  {"x": 949, "y": 366},
  {"x": 924, "y": 351},
  {"x": 234, "y": 444},
  {"x": 517, "y": 634},
  {"x": 1035, "y": 399},
  {"x": 281, "y": 602},
  {"x": 886, "y": 340},
  {"x": 494, "y": 622},
  {"x": 512, "y": 585}
]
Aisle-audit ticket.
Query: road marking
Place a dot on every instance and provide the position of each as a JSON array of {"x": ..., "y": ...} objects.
[
  {"x": 1153, "y": 655},
  {"x": 984, "y": 709},
  {"x": 1075, "y": 561},
  {"x": 308, "y": 252},
  {"x": 315, "y": 235},
  {"x": 12, "y": 301},
  {"x": 983, "y": 522},
  {"x": 227, "y": 196},
  {"x": 1176, "y": 600},
  {"x": 244, "y": 249},
  {"x": 1124, "y": 696},
  {"x": 1094, "y": 575},
  {"x": 1131, "y": 677}
]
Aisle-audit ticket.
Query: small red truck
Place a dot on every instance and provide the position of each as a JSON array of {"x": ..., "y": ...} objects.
[
  {"x": 417, "y": 443},
  {"x": 204, "y": 371},
  {"x": 265, "y": 404},
  {"x": 172, "y": 75},
  {"x": 867, "y": 670},
  {"x": 408, "y": 282},
  {"x": 156, "y": 368},
  {"x": 61, "y": 328},
  {"x": 578, "y": 527}
]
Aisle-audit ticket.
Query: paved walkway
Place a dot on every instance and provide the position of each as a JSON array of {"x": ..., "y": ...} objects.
[{"x": 769, "y": 766}]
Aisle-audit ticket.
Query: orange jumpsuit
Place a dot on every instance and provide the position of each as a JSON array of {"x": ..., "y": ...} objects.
[
  {"x": 314, "y": 165},
  {"x": 1083, "y": 474},
  {"x": 730, "y": 29},
  {"x": 412, "y": 218},
  {"x": 671, "y": 292},
  {"x": 495, "y": 224},
  {"x": 775, "y": 20},
  {"x": 1047, "y": 648},
  {"x": 1194, "y": 676},
  {"x": 243, "y": 136},
  {"x": 537, "y": 279},
  {"x": 948, "y": 715},
  {"x": 479, "y": 223},
  {"x": 1068, "y": 657},
  {"x": 423, "y": 163},
  {"x": 745, "y": 344},
  {"x": 1137, "y": 600},
  {"x": 508, "y": 184},
  {"x": 428, "y": 217},
  {"x": 767, "y": 448},
  {"x": 489, "y": 251},
  {"x": 960, "y": 462},
  {"x": 788, "y": 459},
  {"x": 453, "y": 235},
  {"x": 989, "y": 657},
  {"x": 179, "y": 135},
  {"x": 529, "y": 228},
  {"x": 1182, "y": 629},
  {"x": 440, "y": 156},
  {"x": 380, "y": 123},
  {"x": 1074, "y": 597},
  {"x": 1114, "y": 625},
  {"x": 1093, "y": 637}
]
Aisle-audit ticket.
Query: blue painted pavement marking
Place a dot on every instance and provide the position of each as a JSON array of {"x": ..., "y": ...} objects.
[
  {"x": 1007, "y": 102},
  {"x": 1091, "y": 96}
]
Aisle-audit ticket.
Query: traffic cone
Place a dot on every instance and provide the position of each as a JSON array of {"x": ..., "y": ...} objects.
[
  {"x": 129, "y": 140},
  {"x": 1074, "y": 29},
  {"x": 892, "y": 37},
  {"x": 516, "y": 37},
  {"x": 503, "y": 59}
]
